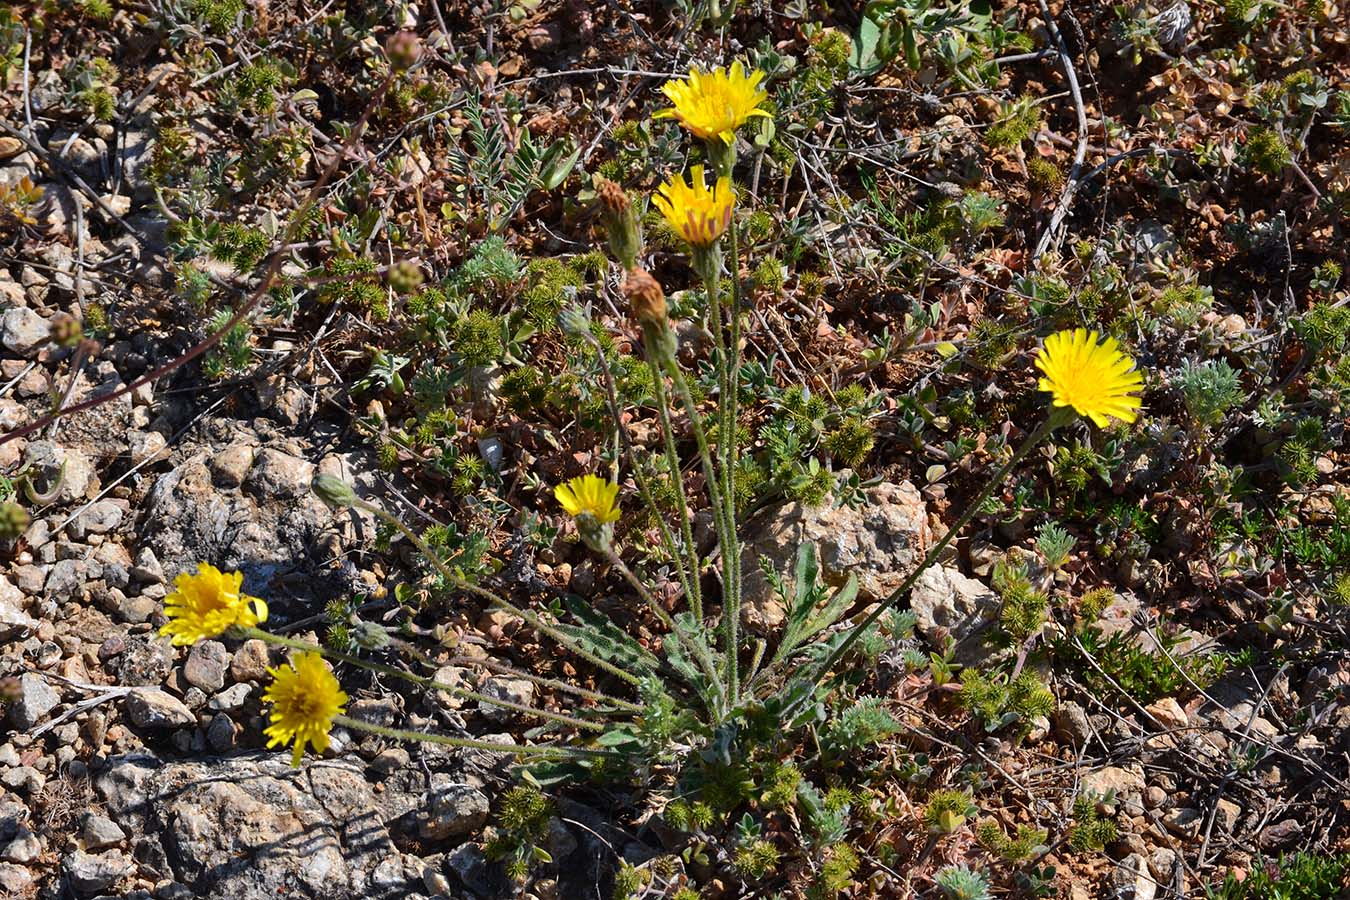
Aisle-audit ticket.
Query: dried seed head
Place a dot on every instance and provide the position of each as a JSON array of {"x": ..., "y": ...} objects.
[
  {"x": 66, "y": 330},
  {"x": 645, "y": 297},
  {"x": 612, "y": 197},
  {"x": 403, "y": 48}
]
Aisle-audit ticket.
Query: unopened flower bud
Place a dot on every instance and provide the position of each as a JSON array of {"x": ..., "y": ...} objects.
[
  {"x": 404, "y": 276},
  {"x": 66, "y": 330},
  {"x": 403, "y": 48},
  {"x": 333, "y": 491},
  {"x": 645, "y": 297},
  {"x": 13, "y": 520},
  {"x": 621, "y": 227},
  {"x": 574, "y": 322}
]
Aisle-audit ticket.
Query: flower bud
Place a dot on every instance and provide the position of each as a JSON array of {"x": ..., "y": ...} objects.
[
  {"x": 403, "y": 48},
  {"x": 66, "y": 330},
  {"x": 645, "y": 297},
  {"x": 13, "y": 520},
  {"x": 621, "y": 227},
  {"x": 333, "y": 491},
  {"x": 404, "y": 276},
  {"x": 574, "y": 322}
]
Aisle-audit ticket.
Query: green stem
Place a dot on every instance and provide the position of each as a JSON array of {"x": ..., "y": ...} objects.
[
  {"x": 732, "y": 420},
  {"x": 677, "y": 474},
  {"x": 730, "y": 614},
  {"x": 400, "y": 734},
  {"x": 528, "y": 617},
  {"x": 691, "y": 588},
  {"x": 554, "y": 684},
  {"x": 701, "y": 653},
  {"x": 1057, "y": 417},
  {"x": 423, "y": 681}
]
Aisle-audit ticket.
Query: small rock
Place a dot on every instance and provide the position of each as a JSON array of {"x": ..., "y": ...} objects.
[
  {"x": 279, "y": 476},
  {"x": 99, "y": 832},
  {"x": 468, "y": 862},
  {"x": 14, "y": 880},
  {"x": 24, "y": 847},
  {"x": 35, "y": 699},
  {"x": 152, "y": 708},
  {"x": 23, "y": 780},
  {"x": 250, "y": 661},
  {"x": 23, "y": 331},
  {"x": 1131, "y": 879},
  {"x": 1072, "y": 724},
  {"x": 454, "y": 811},
  {"x": 230, "y": 466},
  {"x": 1184, "y": 822},
  {"x": 391, "y": 760},
  {"x": 512, "y": 690},
  {"x": 206, "y": 664},
  {"x": 222, "y": 734},
  {"x": 1226, "y": 815},
  {"x": 1155, "y": 797},
  {"x": 1163, "y": 863},
  {"x": 231, "y": 698},
  {"x": 97, "y": 518},
  {"x": 90, "y": 873},
  {"x": 1280, "y": 835},
  {"x": 147, "y": 569},
  {"x": 14, "y": 622},
  {"x": 1168, "y": 712},
  {"x": 947, "y": 603},
  {"x": 1128, "y": 785}
]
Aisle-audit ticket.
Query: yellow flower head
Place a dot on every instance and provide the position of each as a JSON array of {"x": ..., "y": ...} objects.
[
  {"x": 1095, "y": 379},
  {"x": 589, "y": 494},
  {"x": 697, "y": 214},
  {"x": 305, "y": 697},
  {"x": 207, "y": 604},
  {"x": 712, "y": 105}
]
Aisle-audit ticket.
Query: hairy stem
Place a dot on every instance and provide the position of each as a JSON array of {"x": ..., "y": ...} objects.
[
  {"x": 400, "y": 734},
  {"x": 429, "y": 683},
  {"x": 528, "y": 617}
]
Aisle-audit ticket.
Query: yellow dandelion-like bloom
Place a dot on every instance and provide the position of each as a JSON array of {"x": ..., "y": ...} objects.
[
  {"x": 589, "y": 494},
  {"x": 697, "y": 214},
  {"x": 1096, "y": 379},
  {"x": 207, "y": 604},
  {"x": 305, "y": 697},
  {"x": 712, "y": 105}
]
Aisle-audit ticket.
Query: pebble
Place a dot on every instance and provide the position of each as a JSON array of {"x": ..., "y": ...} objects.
[
  {"x": 454, "y": 811},
  {"x": 23, "y": 331},
  {"x": 89, "y": 873},
  {"x": 152, "y": 708},
  {"x": 231, "y": 698},
  {"x": 250, "y": 661},
  {"x": 500, "y": 687},
  {"x": 99, "y": 832},
  {"x": 230, "y": 466},
  {"x": 35, "y": 699},
  {"x": 206, "y": 664}
]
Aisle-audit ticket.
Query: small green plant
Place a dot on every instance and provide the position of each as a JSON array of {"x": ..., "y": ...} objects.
[
  {"x": 1055, "y": 544},
  {"x": 1092, "y": 830},
  {"x": 1016, "y": 122},
  {"x": 963, "y": 883},
  {"x": 1266, "y": 151},
  {"x": 1209, "y": 390},
  {"x": 522, "y": 817},
  {"x": 1302, "y": 876},
  {"x": 947, "y": 810}
]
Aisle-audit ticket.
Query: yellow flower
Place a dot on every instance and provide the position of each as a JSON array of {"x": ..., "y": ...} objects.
[
  {"x": 714, "y": 104},
  {"x": 305, "y": 697},
  {"x": 207, "y": 604},
  {"x": 1095, "y": 379},
  {"x": 589, "y": 494},
  {"x": 697, "y": 214}
]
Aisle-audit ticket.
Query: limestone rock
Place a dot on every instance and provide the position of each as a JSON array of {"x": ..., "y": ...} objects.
[
  {"x": 879, "y": 542},
  {"x": 949, "y": 603}
]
